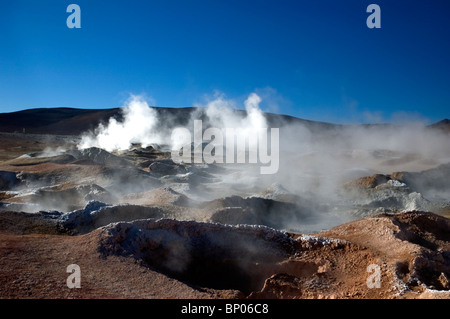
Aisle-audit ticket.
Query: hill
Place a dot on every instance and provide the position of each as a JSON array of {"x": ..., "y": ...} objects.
[
  {"x": 443, "y": 125},
  {"x": 72, "y": 121},
  {"x": 61, "y": 121}
]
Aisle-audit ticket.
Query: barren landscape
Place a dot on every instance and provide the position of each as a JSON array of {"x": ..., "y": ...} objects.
[{"x": 140, "y": 225}]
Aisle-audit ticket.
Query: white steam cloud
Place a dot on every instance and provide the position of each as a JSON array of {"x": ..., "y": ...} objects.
[
  {"x": 138, "y": 126},
  {"x": 221, "y": 113},
  {"x": 255, "y": 116},
  {"x": 315, "y": 158},
  {"x": 141, "y": 123}
]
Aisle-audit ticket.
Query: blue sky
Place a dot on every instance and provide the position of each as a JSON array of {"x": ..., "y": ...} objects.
[{"x": 314, "y": 59}]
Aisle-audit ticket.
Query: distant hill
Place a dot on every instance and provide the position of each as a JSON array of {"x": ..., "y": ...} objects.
[
  {"x": 442, "y": 125},
  {"x": 73, "y": 121},
  {"x": 64, "y": 121}
]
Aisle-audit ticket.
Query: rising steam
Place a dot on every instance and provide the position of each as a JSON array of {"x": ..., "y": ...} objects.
[
  {"x": 315, "y": 161},
  {"x": 142, "y": 124},
  {"x": 138, "y": 126}
]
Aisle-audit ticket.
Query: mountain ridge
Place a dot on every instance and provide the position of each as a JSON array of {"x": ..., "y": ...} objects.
[{"x": 74, "y": 121}]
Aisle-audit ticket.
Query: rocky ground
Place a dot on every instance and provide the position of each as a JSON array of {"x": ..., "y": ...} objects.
[
  {"x": 141, "y": 226},
  {"x": 166, "y": 258}
]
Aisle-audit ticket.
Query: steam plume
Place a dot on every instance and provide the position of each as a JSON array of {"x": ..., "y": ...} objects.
[
  {"x": 138, "y": 126},
  {"x": 141, "y": 123}
]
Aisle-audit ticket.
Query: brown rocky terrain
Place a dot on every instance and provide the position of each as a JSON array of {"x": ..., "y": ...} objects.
[
  {"x": 141, "y": 226},
  {"x": 173, "y": 259}
]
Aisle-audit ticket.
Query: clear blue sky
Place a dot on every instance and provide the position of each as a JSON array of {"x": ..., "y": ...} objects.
[{"x": 314, "y": 59}]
